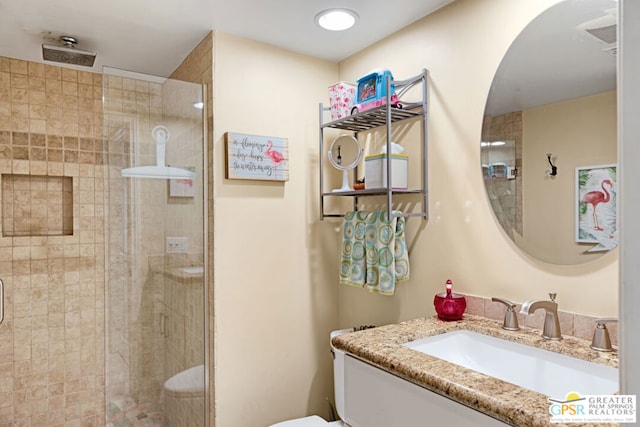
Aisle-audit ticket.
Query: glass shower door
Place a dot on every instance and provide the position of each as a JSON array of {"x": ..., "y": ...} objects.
[{"x": 155, "y": 289}]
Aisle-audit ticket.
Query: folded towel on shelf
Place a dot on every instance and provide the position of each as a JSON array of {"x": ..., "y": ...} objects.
[{"x": 374, "y": 251}]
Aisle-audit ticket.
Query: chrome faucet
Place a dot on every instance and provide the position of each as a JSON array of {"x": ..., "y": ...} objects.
[
  {"x": 601, "y": 340},
  {"x": 551, "y": 329}
]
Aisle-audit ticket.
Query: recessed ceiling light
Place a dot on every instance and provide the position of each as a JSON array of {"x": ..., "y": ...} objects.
[{"x": 336, "y": 19}]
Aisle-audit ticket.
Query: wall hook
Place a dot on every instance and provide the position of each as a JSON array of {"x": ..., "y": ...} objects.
[{"x": 554, "y": 168}]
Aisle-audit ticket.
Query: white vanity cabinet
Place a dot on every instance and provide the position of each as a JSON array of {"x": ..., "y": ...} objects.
[{"x": 376, "y": 398}]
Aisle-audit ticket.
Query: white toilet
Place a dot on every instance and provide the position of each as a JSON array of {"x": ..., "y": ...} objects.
[
  {"x": 183, "y": 398},
  {"x": 338, "y": 386}
]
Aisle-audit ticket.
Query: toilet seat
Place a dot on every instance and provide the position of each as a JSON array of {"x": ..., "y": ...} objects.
[
  {"x": 188, "y": 383},
  {"x": 312, "y": 421}
]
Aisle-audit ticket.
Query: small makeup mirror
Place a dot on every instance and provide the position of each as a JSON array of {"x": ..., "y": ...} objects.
[{"x": 345, "y": 153}]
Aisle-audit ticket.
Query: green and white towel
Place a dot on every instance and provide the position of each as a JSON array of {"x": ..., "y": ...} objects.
[{"x": 374, "y": 251}]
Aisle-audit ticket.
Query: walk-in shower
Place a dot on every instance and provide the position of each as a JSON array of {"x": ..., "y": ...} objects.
[{"x": 155, "y": 292}]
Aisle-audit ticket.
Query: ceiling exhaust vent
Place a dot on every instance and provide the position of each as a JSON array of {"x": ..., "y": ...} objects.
[
  {"x": 604, "y": 34},
  {"x": 603, "y": 30}
]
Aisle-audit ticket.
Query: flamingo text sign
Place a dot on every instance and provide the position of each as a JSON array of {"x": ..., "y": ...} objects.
[
  {"x": 596, "y": 205},
  {"x": 256, "y": 157}
]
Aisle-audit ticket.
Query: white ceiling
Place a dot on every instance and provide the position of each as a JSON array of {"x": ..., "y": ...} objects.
[{"x": 154, "y": 36}]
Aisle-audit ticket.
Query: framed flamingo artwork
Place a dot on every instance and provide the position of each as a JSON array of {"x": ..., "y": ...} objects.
[
  {"x": 596, "y": 206},
  {"x": 256, "y": 157}
]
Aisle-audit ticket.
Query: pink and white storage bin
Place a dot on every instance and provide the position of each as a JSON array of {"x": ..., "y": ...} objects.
[{"x": 341, "y": 99}]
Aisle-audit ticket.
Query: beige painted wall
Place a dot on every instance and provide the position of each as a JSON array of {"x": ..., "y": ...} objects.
[
  {"x": 462, "y": 45},
  {"x": 275, "y": 300},
  {"x": 275, "y": 264},
  {"x": 580, "y": 132}
]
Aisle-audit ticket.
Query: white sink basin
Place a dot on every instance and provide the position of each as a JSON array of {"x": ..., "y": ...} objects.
[{"x": 539, "y": 370}]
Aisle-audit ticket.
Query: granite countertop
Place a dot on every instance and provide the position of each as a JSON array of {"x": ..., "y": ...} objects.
[{"x": 382, "y": 347}]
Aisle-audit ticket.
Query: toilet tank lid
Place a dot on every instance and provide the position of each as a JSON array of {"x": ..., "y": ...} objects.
[{"x": 189, "y": 380}]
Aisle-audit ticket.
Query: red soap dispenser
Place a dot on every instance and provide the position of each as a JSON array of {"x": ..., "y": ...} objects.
[{"x": 449, "y": 306}]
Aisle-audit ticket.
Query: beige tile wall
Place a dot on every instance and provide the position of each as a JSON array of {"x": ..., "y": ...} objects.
[
  {"x": 51, "y": 342},
  {"x": 507, "y": 127},
  {"x": 35, "y": 205}
]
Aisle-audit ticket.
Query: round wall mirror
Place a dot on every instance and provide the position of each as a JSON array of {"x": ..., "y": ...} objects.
[
  {"x": 345, "y": 153},
  {"x": 549, "y": 142}
]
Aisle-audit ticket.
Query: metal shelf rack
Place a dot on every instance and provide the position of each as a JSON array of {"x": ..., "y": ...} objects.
[{"x": 385, "y": 115}]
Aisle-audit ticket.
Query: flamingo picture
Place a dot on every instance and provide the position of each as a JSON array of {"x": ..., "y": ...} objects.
[
  {"x": 276, "y": 156},
  {"x": 594, "y": 198}
]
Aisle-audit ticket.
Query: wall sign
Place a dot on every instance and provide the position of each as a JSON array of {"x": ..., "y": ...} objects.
[{"x": 256, "y": 157}]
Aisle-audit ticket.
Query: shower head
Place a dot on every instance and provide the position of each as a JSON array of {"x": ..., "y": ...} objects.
[{"x": 68, "y": 53}]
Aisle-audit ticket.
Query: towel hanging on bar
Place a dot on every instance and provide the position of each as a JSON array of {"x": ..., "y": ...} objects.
[{"x": 374, "y": 251}]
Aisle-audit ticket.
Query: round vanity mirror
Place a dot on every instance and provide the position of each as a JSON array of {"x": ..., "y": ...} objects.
[
  {"x": 549, "y": 142},
  {"x": 345, "y": 153}
]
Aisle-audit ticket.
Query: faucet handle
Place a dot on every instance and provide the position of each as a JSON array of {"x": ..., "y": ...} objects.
[
  {"x": 510, "y": 317},
  {"x": 601, "y": 340},
  {"x": 508, "y": 303}
]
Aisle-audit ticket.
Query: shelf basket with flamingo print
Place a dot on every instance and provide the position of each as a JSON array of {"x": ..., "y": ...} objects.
[
  {"x": 596, "y": 206},
  {"x": 256, "y": 157},
  {"x": 341, "y": 99}
]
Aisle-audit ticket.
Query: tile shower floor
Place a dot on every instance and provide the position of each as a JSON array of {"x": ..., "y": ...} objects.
[{"x": 126, "y": 412}]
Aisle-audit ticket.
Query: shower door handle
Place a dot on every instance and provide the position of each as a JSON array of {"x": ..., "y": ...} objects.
[{"x": 1, "y": 300}]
